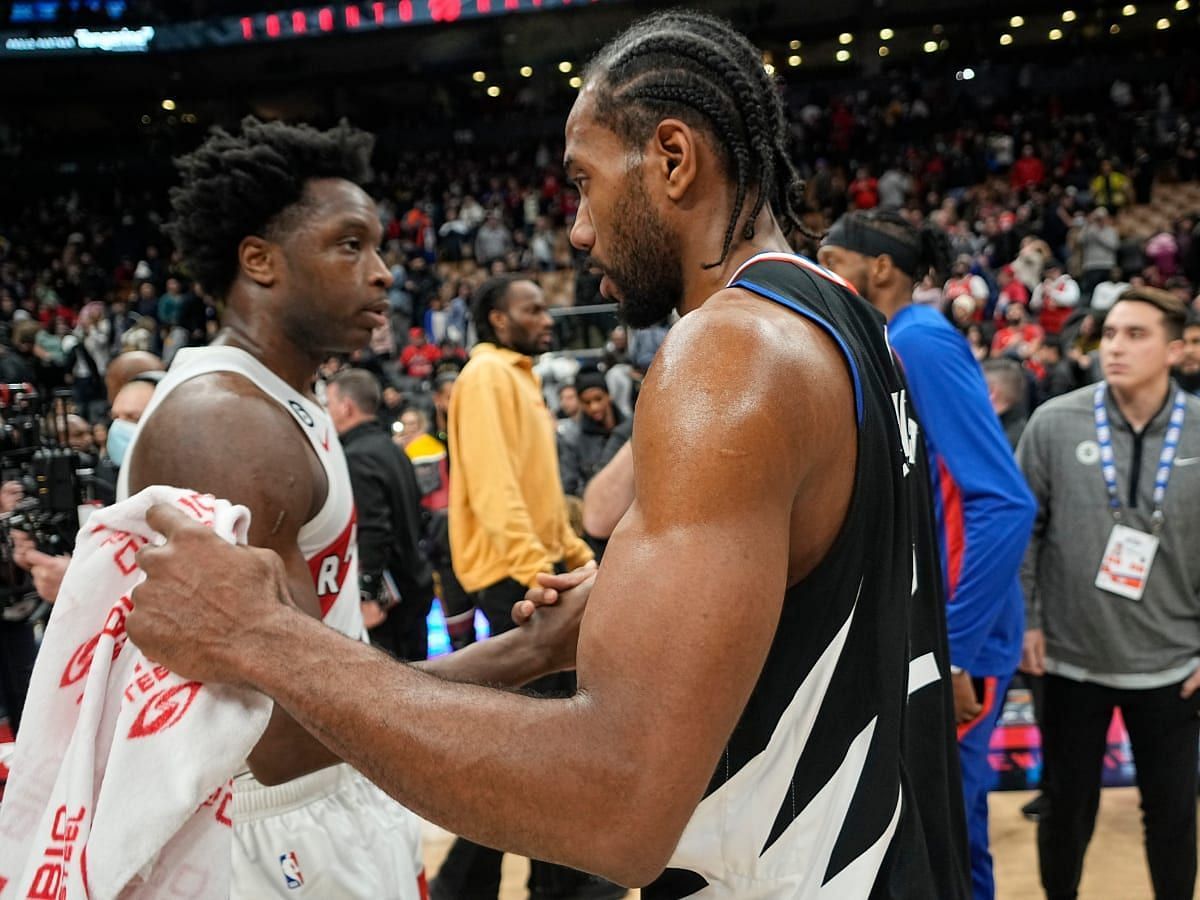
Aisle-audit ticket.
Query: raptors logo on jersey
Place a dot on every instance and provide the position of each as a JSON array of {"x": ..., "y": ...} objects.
[{"x": 331, "y": 566}]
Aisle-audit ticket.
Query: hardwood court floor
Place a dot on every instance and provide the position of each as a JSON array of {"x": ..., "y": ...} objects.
[{"x": 1115, "y": 868}]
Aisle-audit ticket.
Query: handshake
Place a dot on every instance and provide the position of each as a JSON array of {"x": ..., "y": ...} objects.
[{"x": 551, "y": 612}]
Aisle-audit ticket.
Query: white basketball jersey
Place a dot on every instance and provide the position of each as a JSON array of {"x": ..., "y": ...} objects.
[{"x": 328, "y": 541}]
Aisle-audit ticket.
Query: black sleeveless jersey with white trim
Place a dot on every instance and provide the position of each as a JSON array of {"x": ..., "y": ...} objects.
[{"x": 841, "y": 778}]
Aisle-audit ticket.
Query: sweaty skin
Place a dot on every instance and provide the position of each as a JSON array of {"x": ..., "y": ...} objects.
[{"x": 705, "y": 554}]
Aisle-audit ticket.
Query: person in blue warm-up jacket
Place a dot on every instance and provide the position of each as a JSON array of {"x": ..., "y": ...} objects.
[{"x": 984, "y": 508}]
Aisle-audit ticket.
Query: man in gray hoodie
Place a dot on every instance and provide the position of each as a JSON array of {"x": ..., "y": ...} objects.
[{"x": 1112, "y": 585}]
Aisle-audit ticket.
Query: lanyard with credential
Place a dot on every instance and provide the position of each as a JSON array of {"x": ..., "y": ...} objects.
[{"x": 1166, "y": 461}]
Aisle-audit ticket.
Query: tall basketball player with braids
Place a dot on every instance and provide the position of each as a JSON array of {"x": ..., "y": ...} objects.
[{"x": 745, "y": 662}]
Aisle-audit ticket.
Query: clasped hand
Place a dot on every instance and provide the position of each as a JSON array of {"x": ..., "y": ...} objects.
[{"x": 552, "y": 611}]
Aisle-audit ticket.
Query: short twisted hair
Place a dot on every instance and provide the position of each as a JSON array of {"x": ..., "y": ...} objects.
[
  {"x": 234, "y": 186},
  {"x": 697, "y": 68}
]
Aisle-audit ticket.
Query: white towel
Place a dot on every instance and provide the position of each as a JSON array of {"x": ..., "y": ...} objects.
[{"x": 120, "y": 784}]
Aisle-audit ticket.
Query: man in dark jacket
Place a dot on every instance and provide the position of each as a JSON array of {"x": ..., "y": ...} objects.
[
  {"x": 587, "y": 442},
  {"x": 396, "y": 578}
]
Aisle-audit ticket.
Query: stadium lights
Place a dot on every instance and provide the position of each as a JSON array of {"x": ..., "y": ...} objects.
[
  {"x": 964, "y": 75},
  {"x": 843, "y": 56},
  {"x": 1114, "y": 28},
  {"x": 1182, "y": 5},
  {"x": 1005, "y": 39},
  {"x": 1056, "y": 34},
  {"x": 480, "y": 77},
  {"x": 1016, "y": 21},
  {"x": 794, "y": 45},
  {"x": 845, "y": 38},
  {"x": 1162, "y": 24},
  {"x": 576, "y": 82},
  {"x": 168, "y": 105},
  {"x": 886, "y": 34},
  {"x": 145, "y": 120},
  {"x": 1068, "y": 15},
  {"x": 526, "y": 71},
  {"x": 794, "y": 61},
  {"x": 1129, "y": 10},
  {"x": 565, "y": 67},
  {"x": 493, "y": 90},
  {"x": 931, "y": 46},
  {"x": 884, "y": 51},
  {"x": 769, "y": 69}
]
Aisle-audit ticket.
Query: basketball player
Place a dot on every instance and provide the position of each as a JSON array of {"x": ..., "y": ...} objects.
[
  {"x": 984, "y": 509},
  {"x": 743, "y": 662},
  {"x": 274, "y": 221}
]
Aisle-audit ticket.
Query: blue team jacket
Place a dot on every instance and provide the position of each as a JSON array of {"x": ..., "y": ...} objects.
[{"x": 983, "y": 505}]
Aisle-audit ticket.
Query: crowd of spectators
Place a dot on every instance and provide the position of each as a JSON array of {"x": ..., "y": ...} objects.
[{"x": 1030, "y": 194}]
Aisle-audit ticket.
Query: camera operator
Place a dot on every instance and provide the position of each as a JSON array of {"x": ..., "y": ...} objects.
[
  {"x": 17, "y": 644},
  {"x": 47, "y": 569}
]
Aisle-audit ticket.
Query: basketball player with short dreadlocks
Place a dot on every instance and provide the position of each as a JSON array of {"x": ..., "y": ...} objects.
[{"x": 745, "y": 661}]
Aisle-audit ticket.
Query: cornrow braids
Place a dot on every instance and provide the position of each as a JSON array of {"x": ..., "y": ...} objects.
[
  {"x": 234, "y": 186},
  {"x": 697, "y": 68}
]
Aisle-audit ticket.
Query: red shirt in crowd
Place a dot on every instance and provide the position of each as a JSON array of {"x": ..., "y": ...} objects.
[
  {"x": 1016, "y": 334},
  {"x": 418, "y": 361},
  {"x": 1028, "y": 171},
  {"x": 1013, "y": 292},
  {"x": 864, "y": 193}
]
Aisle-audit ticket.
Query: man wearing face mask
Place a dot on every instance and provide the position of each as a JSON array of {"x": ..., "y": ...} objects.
[{"x": 127, "y": 408}]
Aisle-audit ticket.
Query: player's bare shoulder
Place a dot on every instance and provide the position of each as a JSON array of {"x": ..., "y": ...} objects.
[
  {"x": 772, "y": 357},
  {"x": 219, "y": 430}
]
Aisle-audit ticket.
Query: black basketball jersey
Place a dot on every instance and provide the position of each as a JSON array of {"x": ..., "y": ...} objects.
[{"x": 841, "y": 778}]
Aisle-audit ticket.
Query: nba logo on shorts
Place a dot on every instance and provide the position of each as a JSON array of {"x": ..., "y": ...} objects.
[{"x": 290, "y": 866}]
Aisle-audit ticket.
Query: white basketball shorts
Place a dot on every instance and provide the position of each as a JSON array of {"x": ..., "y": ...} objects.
[{"x": 330, "y": 835}]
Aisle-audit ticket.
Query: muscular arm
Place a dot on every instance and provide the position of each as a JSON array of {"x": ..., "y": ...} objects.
[
  {"x": 218, "y": 434},
  {"x": 609, "y": 494},
  {"x": 620, "y": 767}
]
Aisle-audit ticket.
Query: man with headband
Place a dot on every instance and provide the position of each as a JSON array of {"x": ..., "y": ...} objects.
[{"x": 983, "y": 507}]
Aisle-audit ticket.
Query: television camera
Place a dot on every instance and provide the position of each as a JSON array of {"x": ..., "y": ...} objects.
[{"x": 56, "y": 480}]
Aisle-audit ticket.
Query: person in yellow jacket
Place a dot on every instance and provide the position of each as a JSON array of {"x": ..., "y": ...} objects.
[
  {"x": 1111, "y": 189},
  {"x": 507, "y": 514},
  {"x": 508, "y": 521}
]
